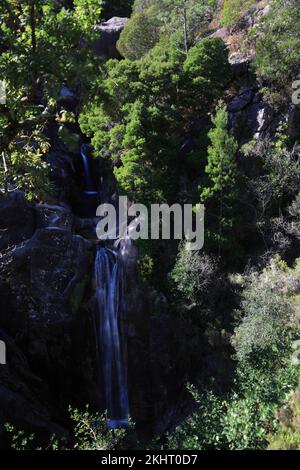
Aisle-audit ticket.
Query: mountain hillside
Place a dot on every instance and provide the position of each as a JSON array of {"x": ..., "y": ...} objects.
[{"x": 123, "y": 342}]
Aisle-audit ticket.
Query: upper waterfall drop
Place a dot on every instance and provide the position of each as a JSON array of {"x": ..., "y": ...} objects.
[
  {"x": 88, "y": 180},
  {"x": 110, "y": 311}
]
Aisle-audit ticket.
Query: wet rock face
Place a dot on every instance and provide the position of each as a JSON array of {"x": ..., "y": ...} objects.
[
  {"x": 137, "y": 337},
  {"x": 109, "y": 33},
  {"x": 249, "y": 115},
  {"x": 63, "y": 174},
  {"x": 21, "y": 393},
  {"x": 251, "y": 17},
  {"x": 242, "y": 100},
  {"x": 293, "y": 121},
  {"x": 45, "y": 271},
  {"x": 17, "y": 221}
]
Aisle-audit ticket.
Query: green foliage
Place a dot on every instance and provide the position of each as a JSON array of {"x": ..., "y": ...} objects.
[
  {"x": 131, "y": 125},
  {"x": 203, "y": 431},
  {"x": 273, "y": 190},
  {"x": 145, "y": 267},
  {"x": 188, "y": 17},
  {"x": 88, "y": 13},
  {"x": 90, "y": 432},
  {"x": 25, "y": 167},
  {"x": 233, "y": 10},
  {"x": 247, "y": 422},
  {"x": 287, "y": 436},
  {"x": 207, "y": 66},
  {"x": 266, "y": 317},
  {"x": 193, "y": 274},
  {"x": 247, "y": 417},
  {"x": 42, "y": 45},
  {"x": 164, "y": 19},
  {"x": 139, "y": 36},
  {"x": 20, "y": 440},
  {"x": 38, "y": 54},
  {"x": 263, "y": 342},
  {"x": 278, "y": 43},
  {"x": 71, "y": 139},
  {"x": 145, "y": 106},
  {"x": 220, "y": 196},
  {"x": 222, "y": 167},
  {"x": 233, "y": 423},
  {"x": 282, "y": 171},
  {"x": 264, "y": 337}
]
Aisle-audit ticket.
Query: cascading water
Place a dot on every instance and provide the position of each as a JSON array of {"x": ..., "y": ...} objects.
[
  {"x": 88, "y": 204},
  {"x": 88, "y": 180},
  {"x": 111, "y": 333},
  {"x": 110, "y": 322}
]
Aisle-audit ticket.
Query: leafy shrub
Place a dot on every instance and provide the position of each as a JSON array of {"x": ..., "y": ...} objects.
[
  {"x": 278, "y": 43},
  {"x": 233, "y": 10},
  {"x": 287, "y": 436},
  {"x": 266, "y": 317},
  {"x": 90, "y": 432},
  {"x": 25, "y": 168},
  {"x": 145, "y": 267},
  {"x": 247, "y": 422},
  {"x": 246, "y": 417},
  {"x": 232, "y": 423},
  {"x": 193, "y": 273},
  {"x": 203, "y": 430}
]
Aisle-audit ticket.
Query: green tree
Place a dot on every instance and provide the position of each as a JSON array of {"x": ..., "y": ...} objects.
[
  {"x": 220, "y": 196},
  {"x": 182, "y": 21},
  {"x": 193, "y": 275},
  {"x": 43, "y": 44},
  {"x": 140, "y": 35},
  {"x": 207, "y": 69},
  {"x": 143, "y": 111},
  {"x": 188, "y": 17},
  {"x": 140, "y": 124},
  {"x": 90, "y": 432},
  {"x": 278, "y": 43},
  {"x": 266, "y": 316}
]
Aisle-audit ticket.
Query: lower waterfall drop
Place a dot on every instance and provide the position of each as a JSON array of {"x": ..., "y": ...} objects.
[{"x": 111, "y": 334}]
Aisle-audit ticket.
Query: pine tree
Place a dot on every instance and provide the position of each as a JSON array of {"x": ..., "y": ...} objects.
[{"x": 220, "y": 196}]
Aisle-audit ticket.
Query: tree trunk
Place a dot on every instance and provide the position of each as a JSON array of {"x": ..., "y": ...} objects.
[
  {"x": 32, "y": 14},
  {"x": 5, "y": 172},
  {"x": 185, "y": 33},
  {"x": 33, "y": 24}
]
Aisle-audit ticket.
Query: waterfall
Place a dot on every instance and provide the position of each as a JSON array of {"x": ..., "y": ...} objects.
[
  {"x": 88, "y": 180},
  {"x": 111, "y": 333}
]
